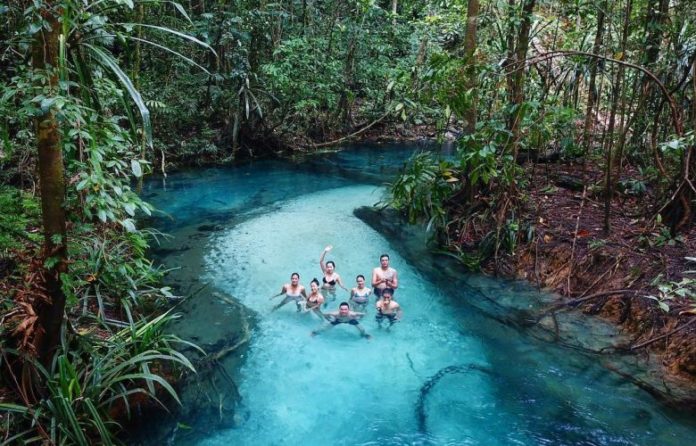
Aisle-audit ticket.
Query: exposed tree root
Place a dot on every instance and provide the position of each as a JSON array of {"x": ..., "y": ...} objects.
[
  {"x": 576, "y": 302},
  {"x": 425, "y": 389}
]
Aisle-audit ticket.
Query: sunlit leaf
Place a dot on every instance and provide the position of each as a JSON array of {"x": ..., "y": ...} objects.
[
  {"x": 135, "y": 167},
  {"x": 128, "y": 224}
]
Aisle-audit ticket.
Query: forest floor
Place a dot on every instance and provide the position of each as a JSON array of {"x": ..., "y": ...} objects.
[{"x": 608, "y": 274}]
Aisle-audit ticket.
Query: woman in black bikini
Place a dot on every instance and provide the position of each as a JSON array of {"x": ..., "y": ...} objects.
[
  {"x": 331, "y": 277},
  {"x": 315, "y": 299}
]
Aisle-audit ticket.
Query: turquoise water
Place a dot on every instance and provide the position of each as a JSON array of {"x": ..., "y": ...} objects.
[{"x": 459, "y": 369}]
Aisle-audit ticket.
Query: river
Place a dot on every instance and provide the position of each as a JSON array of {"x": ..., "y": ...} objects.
[{"x": 461, "y": 368}]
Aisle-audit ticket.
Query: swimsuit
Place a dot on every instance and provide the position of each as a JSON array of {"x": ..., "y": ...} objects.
[
  {"x": 336, "y": 321},
  {"x": 296, "y": 297},
  {"x": 361, "y": 299},
  {"x": 379, "y": 317},
  {"x": 312, "y": 303},
  {"x": 332, "y": 283}
]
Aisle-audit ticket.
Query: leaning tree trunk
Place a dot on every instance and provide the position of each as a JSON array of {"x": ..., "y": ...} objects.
[{"x": 51, "y": 306}]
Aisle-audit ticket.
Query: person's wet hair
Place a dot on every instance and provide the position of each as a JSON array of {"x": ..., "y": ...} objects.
[
  {"x": 383, "y": 256},
  {"x": 343, "y": 304},
  {"x": 315, "y": 281},
  {"x": 387, "y": 292},
  {"x": 360, "y": 276},
  {"x": 331, "y": 262},
  {"x": 295, "y": 274}
]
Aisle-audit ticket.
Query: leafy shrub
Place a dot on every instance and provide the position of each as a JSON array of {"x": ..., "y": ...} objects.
[
  {"x": 87, "y": 382},
  {"x": 18, "y": 211}
]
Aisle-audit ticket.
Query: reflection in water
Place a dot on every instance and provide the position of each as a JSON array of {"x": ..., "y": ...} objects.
[{"x": 455, "y": 371}]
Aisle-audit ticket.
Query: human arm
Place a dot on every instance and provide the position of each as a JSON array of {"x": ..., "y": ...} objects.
[
  {"x": 330, "y": 316},
  {"x": 320, "y": 329},
  {"x": 339, "y": 281},
  {"x": 398, "y": 312},
  {"x": 376, "y": 280},
  {"x": 321, "y": 259},
  {"x": 282, "y": 291},
  {"x": 393, "y": 282}
]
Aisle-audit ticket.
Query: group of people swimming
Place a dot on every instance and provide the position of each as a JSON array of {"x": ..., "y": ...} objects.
[{"x": 384, "y": 283}]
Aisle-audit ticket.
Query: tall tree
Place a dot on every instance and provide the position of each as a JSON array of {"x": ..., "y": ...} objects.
[
  {"x": 516, "y": 76},
  {"x": 592, "y": 84},
  {"x": 472, "y": 13},
  {"x": 50, "y": 308}
]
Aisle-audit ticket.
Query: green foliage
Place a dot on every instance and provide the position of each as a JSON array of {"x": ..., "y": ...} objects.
[
  {"x": 671, "y": 291},
  {"x": 421, "y": 190},
  {"x": 110, "y": 266},
  {"x": 293, "y": 78},
  {"x": 19, "y": 212},
  {"x": 88, "y": 381},
  {"x": 552, "y": 127}
]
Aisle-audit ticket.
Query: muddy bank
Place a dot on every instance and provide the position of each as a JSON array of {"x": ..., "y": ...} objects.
[{"x": 573, "y": 255}]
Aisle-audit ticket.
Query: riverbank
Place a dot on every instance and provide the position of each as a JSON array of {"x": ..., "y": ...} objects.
[
  {"x": 633, "y": 275},
  {"x": 650, "y": 366}
]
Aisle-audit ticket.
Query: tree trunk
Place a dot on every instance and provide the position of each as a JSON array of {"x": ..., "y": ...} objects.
[
  {"x": 50, "y": 309},
  {"x": 592, "y": 85},
  {"x": 516, "y": 78},
  {"x": 469, "y": 49},
  {"x": 393, "y": 8},
  {"x": 624, "y": 40}
]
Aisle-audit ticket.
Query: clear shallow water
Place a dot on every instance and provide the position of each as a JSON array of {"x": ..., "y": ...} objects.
[{"x": 506, "y": 385}]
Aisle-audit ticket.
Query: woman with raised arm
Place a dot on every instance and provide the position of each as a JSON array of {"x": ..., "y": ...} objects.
[{"x": 331, "y": 277}]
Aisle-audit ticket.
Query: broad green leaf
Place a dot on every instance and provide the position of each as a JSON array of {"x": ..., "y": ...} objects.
[
  {"x": 129, "y": 208},
  {"x": 176, "y": 33},
  {"x": 182, "y": 11},
  {"x": 162, "y": 47},
  {"x": 108, "y": 61},
  {"x": 128, "y": 224},
  {"x": 82, "y": 184},
  {"x": 135, "y": 167}
]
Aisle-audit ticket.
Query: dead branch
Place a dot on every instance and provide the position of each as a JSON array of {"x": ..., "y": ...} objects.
[
  {"x": 575, "y": 238},
  {"x": 336, "y": 141},
  {"x": 657, "y": 338},
  {"x": 575, "y": 302}
]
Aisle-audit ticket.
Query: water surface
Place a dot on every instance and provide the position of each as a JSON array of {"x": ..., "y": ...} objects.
[{"x": 457, "y": 370}]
